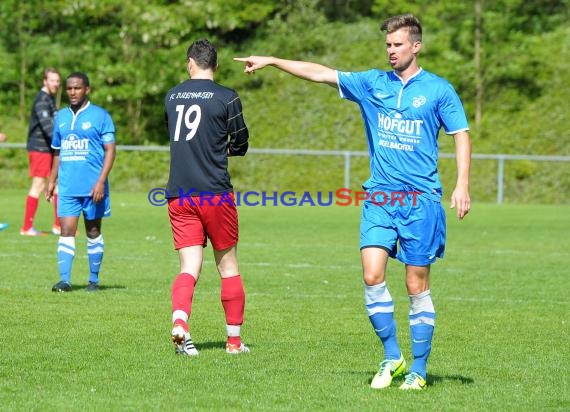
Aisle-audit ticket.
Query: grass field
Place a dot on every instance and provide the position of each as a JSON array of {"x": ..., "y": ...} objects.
[{"x": 501, "y": 296}]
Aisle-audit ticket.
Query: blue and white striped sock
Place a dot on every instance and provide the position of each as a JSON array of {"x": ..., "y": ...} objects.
[
  {"x": 95, "y": 249},
  {"x": 422, "y": 323},
  {"x": 65, "y": 255},
  {"x": 380, "y": 310}
]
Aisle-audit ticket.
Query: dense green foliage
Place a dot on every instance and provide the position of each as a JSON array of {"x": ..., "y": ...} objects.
[
  {"x": 134, "y": 51},
  {"x": 500, "y": 344}
]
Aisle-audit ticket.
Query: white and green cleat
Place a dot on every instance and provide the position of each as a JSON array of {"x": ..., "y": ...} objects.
[
  {"x": 389, "y": 369},
  {"x": 414, "y": 382}
]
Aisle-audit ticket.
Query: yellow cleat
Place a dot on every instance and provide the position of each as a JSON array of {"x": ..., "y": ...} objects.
[
  {"x": 414, "y": 382},
  {"x": 389, "y": 369}
]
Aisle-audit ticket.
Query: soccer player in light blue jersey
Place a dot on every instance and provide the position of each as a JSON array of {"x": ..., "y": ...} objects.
[
  {"x": 403, "y": 111},
  {"x": 84, "y": 152}
]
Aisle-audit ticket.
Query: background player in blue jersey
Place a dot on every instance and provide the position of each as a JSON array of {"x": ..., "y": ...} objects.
[
  {"x": 84, "y": 152},
  {"x": 205, "y": 125},
  {"x": 403, "y": 112}
]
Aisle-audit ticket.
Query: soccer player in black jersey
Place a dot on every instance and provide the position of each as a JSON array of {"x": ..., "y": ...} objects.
[
  {"x": 206, "y": 126},
  {"x": 40, "y": 153}
]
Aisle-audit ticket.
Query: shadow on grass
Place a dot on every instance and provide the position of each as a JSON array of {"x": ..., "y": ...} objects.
[
  {"x": 102, "y": 288},
  {"x": 464, "y": 380},
  {"x": 215, "y": 345},
  {"x": 434, "y": 379}
]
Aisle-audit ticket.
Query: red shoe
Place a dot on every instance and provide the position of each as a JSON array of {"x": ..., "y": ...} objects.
[{"x": 235, "y": 349}]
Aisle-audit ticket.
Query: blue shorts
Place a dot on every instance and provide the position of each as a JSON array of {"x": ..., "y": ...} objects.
[
  {"x": 416, "y": 223},
  {"x": 74, "y": 205}
]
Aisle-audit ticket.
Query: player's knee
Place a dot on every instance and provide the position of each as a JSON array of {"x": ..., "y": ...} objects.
[
  {"x": 228, "y": 271},
  {"x": 416, "y": 287},
  {"x": 38, "y": 186},
  {"x": 417, "y": 281},
  {"x": 372, "y": 278},
  {"x": 93, "y": 233}
]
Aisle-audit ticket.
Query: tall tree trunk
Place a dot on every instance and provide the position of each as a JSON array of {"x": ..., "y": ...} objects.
[
  {"x": 133, "y": 105},
  {"x": 23, "y": 69}
]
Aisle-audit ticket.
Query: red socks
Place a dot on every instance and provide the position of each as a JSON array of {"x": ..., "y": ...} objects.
[
  {"x": 234, "y": 340},
  {"x": 233, "y": 299},
  {"x": 182, "y": 293},
  {"x": 232, "y": 296},
  {"x": 31, "y": 208}
]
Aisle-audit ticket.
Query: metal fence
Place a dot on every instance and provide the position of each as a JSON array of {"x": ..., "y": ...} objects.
[{"x": 347, "y": 155}]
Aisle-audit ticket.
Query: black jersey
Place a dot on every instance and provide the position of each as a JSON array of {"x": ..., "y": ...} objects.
[
  {"x": 205, "y": 123},
  {"x": 41, "y": 123}
]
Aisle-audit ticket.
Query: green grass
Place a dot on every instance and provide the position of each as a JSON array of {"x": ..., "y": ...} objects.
[{"x": 501, "y": 340}]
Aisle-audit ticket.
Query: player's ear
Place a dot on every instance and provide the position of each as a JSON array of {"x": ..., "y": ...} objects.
[
  {"x": 416, "y": 47},
  {"x": 189, "y": 66}
]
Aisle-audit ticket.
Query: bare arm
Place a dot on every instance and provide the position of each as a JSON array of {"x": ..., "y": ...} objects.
[
  {"x": 98, "y": 190},
  {"x": 52, "y": 181},
  {"x": 304, "y": 70},
  {"x": 460, "y": 197}
]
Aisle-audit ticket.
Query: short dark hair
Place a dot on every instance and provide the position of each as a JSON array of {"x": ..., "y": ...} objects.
[
  {"x": 408, "y": 21},
  {"x": 79, "y": 75},
  {"x": 203, "y": 53}
]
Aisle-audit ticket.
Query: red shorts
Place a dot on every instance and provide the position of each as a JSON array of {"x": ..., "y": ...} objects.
[
  {"x": 193, "y": 220},
  {"x": 40, "y": 164}
]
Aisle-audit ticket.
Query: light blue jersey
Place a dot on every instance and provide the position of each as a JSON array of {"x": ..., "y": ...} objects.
[
  {"x": 402, "y": 123},
  {"x": 80, "y": 138}
]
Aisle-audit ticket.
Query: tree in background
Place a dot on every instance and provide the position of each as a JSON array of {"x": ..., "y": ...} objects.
[{"x": 129, "y": 48}]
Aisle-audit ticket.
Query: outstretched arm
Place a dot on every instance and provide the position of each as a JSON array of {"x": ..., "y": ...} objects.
[
  {"x": 460, "y": 197},
  {"x": 304, "y": 70}
]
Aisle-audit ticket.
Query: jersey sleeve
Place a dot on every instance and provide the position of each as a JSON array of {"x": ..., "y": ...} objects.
[
  {"x": 44, "y": 113},
  {"x": 451, "y": 112},
  {"x": 107, "y": 129},
  {"x": 352, "y": 85},
  {"x": 56, "y": 136},
  {"x": 237, "y": 130}
]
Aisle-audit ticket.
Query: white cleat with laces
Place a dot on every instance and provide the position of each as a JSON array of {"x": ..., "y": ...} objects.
[{"x": 183, "y": 342}]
